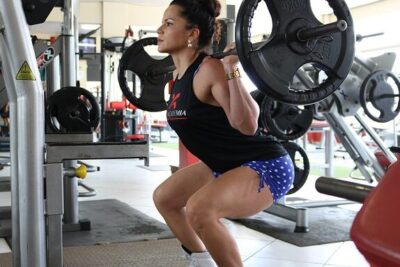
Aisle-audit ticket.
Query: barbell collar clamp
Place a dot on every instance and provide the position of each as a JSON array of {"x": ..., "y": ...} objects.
[{"x": 304, "y": 35}]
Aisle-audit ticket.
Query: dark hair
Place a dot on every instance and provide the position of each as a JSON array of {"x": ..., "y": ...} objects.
[{"x": 200, "y": 13}]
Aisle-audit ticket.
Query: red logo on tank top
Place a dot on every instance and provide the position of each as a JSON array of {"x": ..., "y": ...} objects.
[
  {"x": 172, "y": 112},
  {"x": 174, "y": 97}
]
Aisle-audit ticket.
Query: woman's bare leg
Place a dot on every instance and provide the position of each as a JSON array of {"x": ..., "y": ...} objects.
[
  {"x": 171, "y": 197},
  {"x": 233, "y": 194}
]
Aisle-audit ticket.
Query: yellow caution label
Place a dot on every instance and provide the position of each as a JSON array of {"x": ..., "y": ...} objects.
[{"x": 25, "y": 73}]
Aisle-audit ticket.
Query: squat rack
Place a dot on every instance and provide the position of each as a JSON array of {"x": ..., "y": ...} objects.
[
  {"x": 26, "y": 99},
  {"x": 44, "y": 194}
]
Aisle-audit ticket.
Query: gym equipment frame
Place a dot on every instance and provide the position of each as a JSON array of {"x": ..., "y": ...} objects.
[
  {"x": 334, "y": 108},
  {"x": 26, "y": 99},
  {"x": 44, "y": 187}
]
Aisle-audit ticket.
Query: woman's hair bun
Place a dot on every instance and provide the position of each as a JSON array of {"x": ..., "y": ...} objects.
[{"x": 212, "y": 6}]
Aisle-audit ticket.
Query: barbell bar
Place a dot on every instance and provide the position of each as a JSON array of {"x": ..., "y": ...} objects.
[
  {"x": 302, "y": 35},
  {"x": 298, "y": 39}
]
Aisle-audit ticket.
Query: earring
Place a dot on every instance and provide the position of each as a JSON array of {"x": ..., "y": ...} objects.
[{"x": 190, "y": 43}]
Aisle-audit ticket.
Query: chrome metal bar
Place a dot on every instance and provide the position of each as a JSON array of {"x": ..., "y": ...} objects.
[
  {"x": 371, "y": 132},
  {"x": 54, "y": 212},
  {"x": 12, "y": 96},
  {"x": 395, "y": 135},
  {"x": 24, "y": 83},
  {"x": 68, "y": 60},
  {"x": 60, "y": 152},
  {"x": 329, "y": 151},
  {"x": 69, "y": 77},
  {"x": 358, "y": 151},
  {"x": 321, "y": 30},
  {"x": 297, "y": 215},
  {"x": 344, "y": 189},
  {"x": 53, "y": 76},
  {"x": 71, "y": 205}
]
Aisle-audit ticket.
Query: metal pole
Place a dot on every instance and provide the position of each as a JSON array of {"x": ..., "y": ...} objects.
[
  {"x": 103, "y": 91},
  {"x": 24, "y": 82},
  {"x": 344, "y": 189},
  {"x": 69, "y": 74},
  {"x": 395, "y": 136},
  {"x": 53, "y": 76},
  {"x": 68, "y": 47},
  {"x": 329, "y": 151},
  {"x": 12, "y": 101},
  {"x": 391, "y": 157},
  {"x": 359, "y": 152}
]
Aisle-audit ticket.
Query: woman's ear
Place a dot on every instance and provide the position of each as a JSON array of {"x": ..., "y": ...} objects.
[{"x": 194, "y": 34}]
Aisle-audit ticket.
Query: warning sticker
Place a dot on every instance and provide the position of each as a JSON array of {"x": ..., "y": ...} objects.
[{"x": 25, "y": 73}]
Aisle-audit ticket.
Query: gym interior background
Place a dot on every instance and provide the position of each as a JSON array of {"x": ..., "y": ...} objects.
[{"x": 337, "y": 146}]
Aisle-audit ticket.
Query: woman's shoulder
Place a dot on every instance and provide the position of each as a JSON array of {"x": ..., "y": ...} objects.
[
  {"x": 211, "y": 67},
  {"x": 210, "y": 61}
]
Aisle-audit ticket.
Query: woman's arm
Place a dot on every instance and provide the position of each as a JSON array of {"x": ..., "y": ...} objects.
[{"x": 241, "y": 109}]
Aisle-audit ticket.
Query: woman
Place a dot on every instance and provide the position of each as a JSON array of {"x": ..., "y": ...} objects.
[{"x": 216, "y": 119}]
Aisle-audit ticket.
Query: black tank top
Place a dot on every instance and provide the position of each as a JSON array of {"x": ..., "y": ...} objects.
[{"x": 205, "y": 130}]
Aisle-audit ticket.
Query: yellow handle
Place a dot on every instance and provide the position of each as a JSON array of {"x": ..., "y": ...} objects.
[{"x": 81, "y": 172}]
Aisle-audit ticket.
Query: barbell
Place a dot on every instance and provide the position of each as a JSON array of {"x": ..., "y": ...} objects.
[
  {"x": 297, "y": 39},
  {"x": 303, "y": 35}
]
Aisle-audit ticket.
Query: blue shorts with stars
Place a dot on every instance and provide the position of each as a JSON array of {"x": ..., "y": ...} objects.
[{"x": 277, "y": 174}]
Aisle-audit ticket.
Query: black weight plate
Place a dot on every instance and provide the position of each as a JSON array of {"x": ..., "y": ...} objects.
[
  {"x": 75, "y": 109},
  {"x": 301, "y": 165},
  {"x": 285, "y": 121},
  {"x": 37, "y": 11},
  {"x": 381, "y": 88},
  {"x": 273, "y": 65},
  {"x": 152, "y": 86},
  {"x": 258, "y": 96}
]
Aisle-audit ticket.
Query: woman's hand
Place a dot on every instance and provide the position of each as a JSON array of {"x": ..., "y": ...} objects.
[{"x": 230, "y": 62}]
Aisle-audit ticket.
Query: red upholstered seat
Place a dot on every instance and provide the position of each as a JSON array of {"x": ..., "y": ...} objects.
[
  {"x": 376, "y": 228},
  {"x": 383, "y": 160}
]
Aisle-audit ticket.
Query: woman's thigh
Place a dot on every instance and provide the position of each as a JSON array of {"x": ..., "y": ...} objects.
[
  {"x": 182, "y": 184},
  {"x": 234, "y": 194}
]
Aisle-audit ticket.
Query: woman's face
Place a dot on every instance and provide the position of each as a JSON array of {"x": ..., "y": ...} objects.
[{"x": 172, "y": 34}]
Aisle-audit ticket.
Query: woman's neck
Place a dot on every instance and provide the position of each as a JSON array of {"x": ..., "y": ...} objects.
[{"x": 183, "y": 60}]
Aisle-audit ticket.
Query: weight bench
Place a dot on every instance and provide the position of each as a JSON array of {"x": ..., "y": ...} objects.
[{"x": 375, "y": 230}]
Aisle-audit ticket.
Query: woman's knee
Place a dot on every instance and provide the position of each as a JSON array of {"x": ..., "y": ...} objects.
[
  {"x": 200, "y": 213},
  {"x": 163, "y": 198}
]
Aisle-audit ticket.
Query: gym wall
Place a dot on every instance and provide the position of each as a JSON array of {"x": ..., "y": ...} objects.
[{"x": 115, "y": 17}]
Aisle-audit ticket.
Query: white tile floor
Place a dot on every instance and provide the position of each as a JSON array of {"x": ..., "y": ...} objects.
[{"x": 125, "y": 181}]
